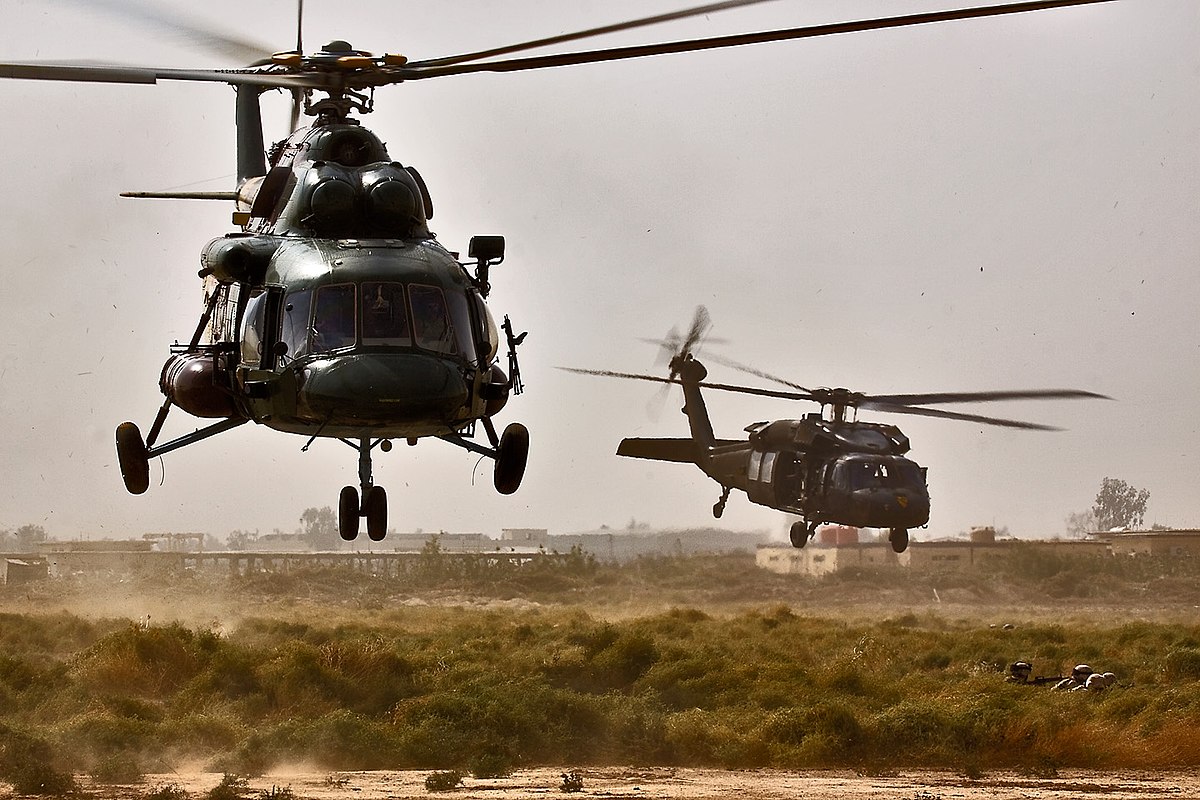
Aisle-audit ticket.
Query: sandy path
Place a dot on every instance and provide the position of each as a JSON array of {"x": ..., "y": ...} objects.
[{"x": 697, "y": 783}]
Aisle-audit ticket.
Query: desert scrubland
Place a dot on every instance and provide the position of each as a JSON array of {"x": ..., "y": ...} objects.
[{"x": 685, "y": 668}]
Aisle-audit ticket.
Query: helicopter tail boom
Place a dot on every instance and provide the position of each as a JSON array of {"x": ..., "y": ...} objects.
[{"x": 682, "y": 451}]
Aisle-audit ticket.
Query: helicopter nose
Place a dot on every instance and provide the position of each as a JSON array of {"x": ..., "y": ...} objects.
[
  {"x": 382, "y": 388},
  {"x": 910, "y": 507}
]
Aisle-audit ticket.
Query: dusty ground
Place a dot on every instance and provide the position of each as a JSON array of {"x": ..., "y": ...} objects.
[{"x": 695, "y": 783}]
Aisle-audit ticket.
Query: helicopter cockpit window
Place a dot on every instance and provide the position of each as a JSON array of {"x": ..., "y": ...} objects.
[
  {"x": 384, "y": 316},
  {"x": 431, "y": 319},
  {"x": 878, "y": 474},
  {"x": 490, "y": 339},
  {"x": 296, "y": 310},
  {"x": 333, "y": 318},
  {"x": 252, "y": 329}
]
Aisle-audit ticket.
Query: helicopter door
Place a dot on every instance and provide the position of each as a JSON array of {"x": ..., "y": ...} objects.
[
  {"x": 260, "y": 325},
  {"x": 761, "y": 474}
]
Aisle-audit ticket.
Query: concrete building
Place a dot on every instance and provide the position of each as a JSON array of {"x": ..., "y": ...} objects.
[
  {"x": 19, "y": 569},
  {"x": 1183, "y": 543},
  {"x": 817, "y": 559},
  {"x": 836, "y": 551},
  {"x": 524, "y": 537}
]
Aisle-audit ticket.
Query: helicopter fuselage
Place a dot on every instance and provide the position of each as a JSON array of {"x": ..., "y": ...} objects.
[
  {"x": 365, "y": 338},
  {"x": 823, "y": 470}
]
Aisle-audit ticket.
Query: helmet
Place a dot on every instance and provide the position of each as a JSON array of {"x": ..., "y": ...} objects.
[
  {"x": 1110, "y": 678},
  {"x": 1081, "y": 671},
  {"x": 1095, "y": 682}
]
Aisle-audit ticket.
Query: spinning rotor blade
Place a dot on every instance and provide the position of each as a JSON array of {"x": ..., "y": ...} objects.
[
  {"x": 874, "y": 400},
  {"x": 584, "y": 34},
  {"x": 232, "y": 46},
  {"x": 618, "y": 53},
  {"x": 720, "y": 387},
  {"x": 109, "y": 73},
  {"x": 938, "y": 413},
  {"x": 729, "y": 362}
]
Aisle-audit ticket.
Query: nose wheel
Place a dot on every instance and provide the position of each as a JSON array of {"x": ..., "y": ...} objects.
[
  {"x": 898, "y": 538},
  {"x": 374, "y": 498}
]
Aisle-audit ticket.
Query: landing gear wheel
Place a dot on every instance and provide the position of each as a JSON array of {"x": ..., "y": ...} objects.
[
  {"x": 133, "y": 458},
  {"x": 348, "y": 513},
  {"x": 899, "y": 539},
  {"x": 799, "y": 533},
  {"x": 375, "y": 510},
  {"x": 719, "y": 506},
  {"x": 511, "y": 455}
]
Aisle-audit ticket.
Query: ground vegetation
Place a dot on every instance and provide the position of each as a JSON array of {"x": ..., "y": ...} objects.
[{"x": 583, "y": 663}]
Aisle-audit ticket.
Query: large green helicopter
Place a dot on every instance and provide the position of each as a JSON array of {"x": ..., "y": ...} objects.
[
  {"x": 825, "y": 467},
  {"x": 333, "y": 311}
]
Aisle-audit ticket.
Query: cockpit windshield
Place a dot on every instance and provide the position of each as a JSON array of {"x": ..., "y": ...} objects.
[
  {"x": 379, "y": 314},
  {"x": 384, "y": 316},
  {"x": 333, "y": 318},
  {"x": 879, "y": 473}
]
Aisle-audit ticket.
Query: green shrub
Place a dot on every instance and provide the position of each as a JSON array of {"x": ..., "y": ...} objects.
[
  {"x": 443, "y": 781},
  {"x": 169, "y": 791},
  {"x": 231, "y": 787},
  {"x": 117, "y": 768}
]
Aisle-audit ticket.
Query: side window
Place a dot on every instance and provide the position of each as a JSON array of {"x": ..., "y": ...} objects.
[
  {"x": 431, "y": 319},
  {"x": 768, "y": 467},
  {"x": 384, "y": 317},
  {"x": 491, "y": 334},
  {"x": 252, "y": 330},
  {"x": 333, "y": 318},
  {"x": 755, "y": 464},
  {"x": 460, "y": 314},
  {"x": 297, "y": 307}
]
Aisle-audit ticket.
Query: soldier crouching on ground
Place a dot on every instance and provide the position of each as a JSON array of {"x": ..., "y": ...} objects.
[
  {"x": 1084, "y": 679},
  {"x": 1021, "y": 672}
]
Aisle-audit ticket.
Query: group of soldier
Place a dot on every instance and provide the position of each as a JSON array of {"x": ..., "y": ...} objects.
[{"x": 1082, "y": 678}]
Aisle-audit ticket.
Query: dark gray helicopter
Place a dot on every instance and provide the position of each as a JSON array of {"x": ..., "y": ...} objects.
[
  {"x": 824, "y": 467},
  {"x": 333, "y": 311}
]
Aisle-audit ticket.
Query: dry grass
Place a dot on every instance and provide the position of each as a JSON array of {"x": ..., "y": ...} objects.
[{"x": 360, "y": 673}]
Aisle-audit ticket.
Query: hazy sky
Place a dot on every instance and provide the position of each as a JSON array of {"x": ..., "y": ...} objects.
[{"x": 1001, "y": 203}]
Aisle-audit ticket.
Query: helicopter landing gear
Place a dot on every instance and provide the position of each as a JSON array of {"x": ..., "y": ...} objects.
[
  {"x": 374, "y": 498},
  {"x": 719, "y": 506},
  {"x": 348, "y": 513},
  {"x": 801, "y": 532},
  {"x": 133, "y": 457},
  {"x": 898, "y": 537},
  {"x": 512, "y": 453},
  {"x": 375, "y": 510}
]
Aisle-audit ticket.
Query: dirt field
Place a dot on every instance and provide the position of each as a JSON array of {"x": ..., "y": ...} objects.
[{"x": 698, "y": 783}]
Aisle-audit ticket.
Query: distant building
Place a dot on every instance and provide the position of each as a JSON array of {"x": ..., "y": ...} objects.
[
  {"x": 1183, "y": 543},
  {"x": 839, "y": 550},
  {"x": 525, "y": 537},
  {"x": 98, "y": 556},
  {"x": 18, "y": 570},
  {"x": 446, "y": 542},
  {"x": 816, "y": 559}
]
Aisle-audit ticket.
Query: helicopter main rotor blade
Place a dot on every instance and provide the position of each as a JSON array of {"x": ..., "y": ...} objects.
[
  {"x": 229, "y": 45},
  {"x": 729, "y": 362},
  {"x": 109, "y": 73},
  {"x": 691, "y": 45},
  {"x": 584, "y": 34},
  {"x": 938, "y": 413},
  {"x": 720, "y": 387},
  {"x": 981, "y": 397}
]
